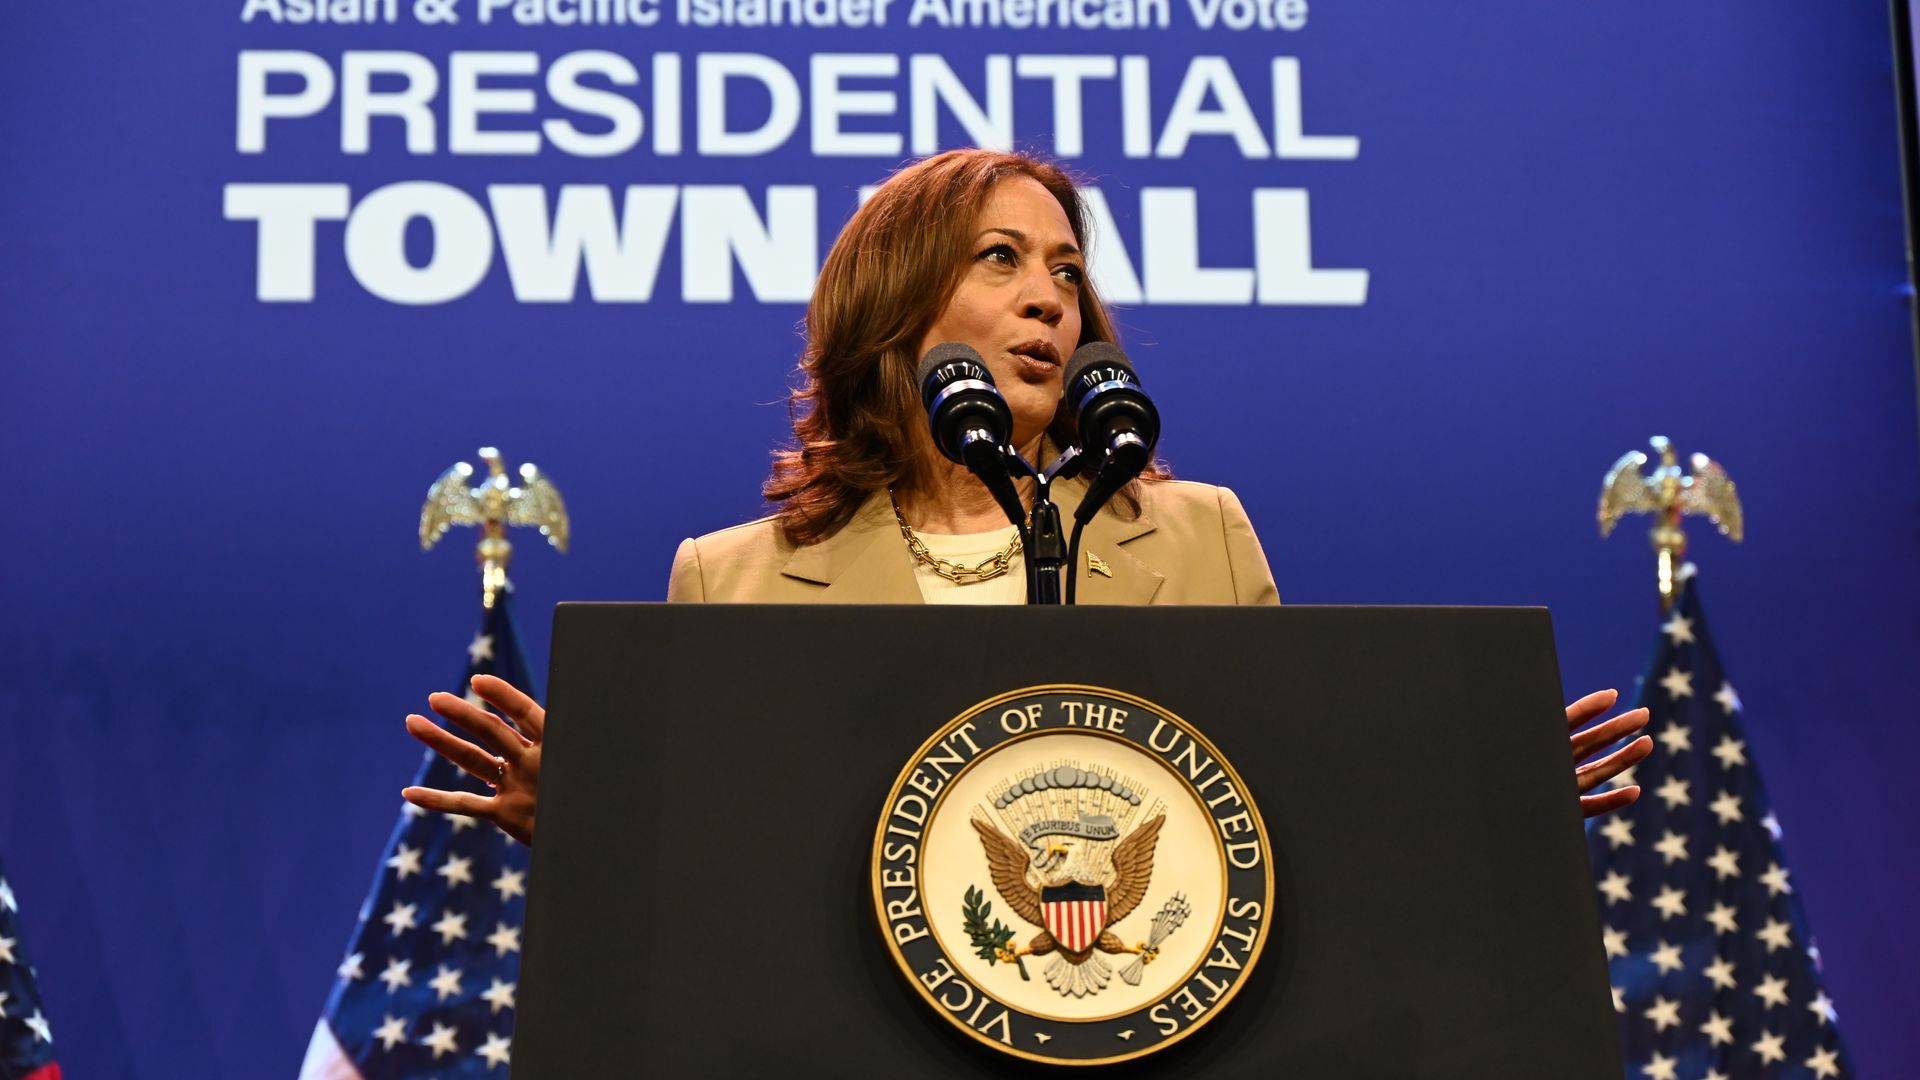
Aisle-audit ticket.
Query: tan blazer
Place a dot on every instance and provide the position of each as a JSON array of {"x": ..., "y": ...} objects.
[{"x": 1191, "y": 544}]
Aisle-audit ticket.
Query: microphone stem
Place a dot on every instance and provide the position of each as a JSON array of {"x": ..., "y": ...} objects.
[
  {"x": 1046, "y": 551},
  {"x": 1073, "y": 561}
]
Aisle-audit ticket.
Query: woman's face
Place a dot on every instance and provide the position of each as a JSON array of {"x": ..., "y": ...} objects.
[{"x": 1018, "y": 301}]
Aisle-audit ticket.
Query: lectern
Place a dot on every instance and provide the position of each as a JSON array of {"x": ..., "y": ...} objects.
[{"x": 708, "y": 896}]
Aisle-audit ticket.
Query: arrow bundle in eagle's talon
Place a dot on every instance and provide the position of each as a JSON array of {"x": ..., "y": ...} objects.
[{"x": 1172, "y": 914}]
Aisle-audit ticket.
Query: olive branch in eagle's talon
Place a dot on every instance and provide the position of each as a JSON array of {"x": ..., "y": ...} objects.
[{"x": 991, "y": 943}]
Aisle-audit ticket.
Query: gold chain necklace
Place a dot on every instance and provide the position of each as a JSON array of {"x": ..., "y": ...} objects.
[{"x": 989, "y": 568}]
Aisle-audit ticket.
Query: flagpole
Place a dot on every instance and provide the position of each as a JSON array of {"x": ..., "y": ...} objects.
[{"x": 494, "y": 552}]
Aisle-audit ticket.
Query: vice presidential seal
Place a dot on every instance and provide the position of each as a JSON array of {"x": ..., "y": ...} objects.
[{"x": 1073, "y": 875}]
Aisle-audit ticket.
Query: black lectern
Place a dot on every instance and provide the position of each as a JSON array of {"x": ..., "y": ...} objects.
[{"x": 713, "y": 777}]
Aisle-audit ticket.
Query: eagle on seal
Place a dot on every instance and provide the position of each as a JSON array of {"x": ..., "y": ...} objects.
[{"x": 1074, "y": 916}]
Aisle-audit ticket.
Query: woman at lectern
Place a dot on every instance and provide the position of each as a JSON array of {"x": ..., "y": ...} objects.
[{"x": 985, "y": 249}]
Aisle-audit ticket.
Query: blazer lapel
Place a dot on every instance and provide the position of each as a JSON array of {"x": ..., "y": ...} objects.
[
  {"x": 1127, "y": 580},
  {"x": 866, "y": 562}
]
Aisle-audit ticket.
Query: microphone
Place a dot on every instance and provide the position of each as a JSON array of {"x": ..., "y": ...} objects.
[
  {"x": 1117, "y": 422},
  {"x": 970, "y": 420}
]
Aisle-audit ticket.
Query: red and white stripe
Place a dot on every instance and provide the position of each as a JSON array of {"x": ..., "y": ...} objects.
[{"x": 1076, "y": 924}]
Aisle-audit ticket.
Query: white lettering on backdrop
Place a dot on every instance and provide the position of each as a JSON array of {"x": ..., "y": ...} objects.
[{"x": 598, "y": 104}]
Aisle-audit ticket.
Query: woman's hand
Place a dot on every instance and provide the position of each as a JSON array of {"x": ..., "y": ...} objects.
[
  {"x": 1593, "y": 739},
  {"x": 513, "y": 767}
]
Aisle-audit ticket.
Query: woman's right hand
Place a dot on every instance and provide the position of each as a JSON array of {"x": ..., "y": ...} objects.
[{"x": 506, "y": 760}]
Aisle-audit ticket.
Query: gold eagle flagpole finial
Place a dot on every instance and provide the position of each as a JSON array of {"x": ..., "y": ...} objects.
[
  {"x": 494, "y": 504},
  {"x": 1669, "y": 494}
]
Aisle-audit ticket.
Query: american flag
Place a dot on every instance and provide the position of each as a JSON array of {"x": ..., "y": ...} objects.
[
  {"x": 427, "y": 985},
  {"x": 26, "y": 1041},
  {"x": 1714, "y": 969}
]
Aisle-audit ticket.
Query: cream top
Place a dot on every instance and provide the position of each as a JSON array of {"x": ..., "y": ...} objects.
[{"x": 971, "y": 549}]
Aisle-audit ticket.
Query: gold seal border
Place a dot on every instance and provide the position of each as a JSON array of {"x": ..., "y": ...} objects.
[{"x": 900, "y": 960}]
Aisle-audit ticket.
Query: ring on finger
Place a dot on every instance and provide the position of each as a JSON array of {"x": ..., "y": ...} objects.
[{"x": 500, "y": 771}]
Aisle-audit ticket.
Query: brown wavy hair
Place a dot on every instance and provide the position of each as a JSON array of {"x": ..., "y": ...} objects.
[{"x": 856, "y": 411}]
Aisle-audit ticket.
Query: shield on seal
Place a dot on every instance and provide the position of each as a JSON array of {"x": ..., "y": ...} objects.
[{"x": 1076, "y": 912}]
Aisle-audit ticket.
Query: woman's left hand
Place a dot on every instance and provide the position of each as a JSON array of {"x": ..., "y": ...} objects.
[{"x": 1593, "y": 739}]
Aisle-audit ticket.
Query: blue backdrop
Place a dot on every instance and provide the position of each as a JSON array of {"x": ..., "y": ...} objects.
[{"x": 235, "y": 354}]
